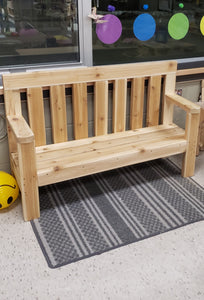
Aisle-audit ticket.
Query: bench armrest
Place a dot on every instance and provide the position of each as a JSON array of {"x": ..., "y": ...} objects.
[
  {"x": 20, "y": 129},
  {"x": 183, "y": 103}
]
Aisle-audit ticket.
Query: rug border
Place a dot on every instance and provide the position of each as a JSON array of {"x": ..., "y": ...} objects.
[{"x": 103, "y": 251}]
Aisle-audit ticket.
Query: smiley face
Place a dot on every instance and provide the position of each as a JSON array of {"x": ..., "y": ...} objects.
[{"x": 9, "y": 190}]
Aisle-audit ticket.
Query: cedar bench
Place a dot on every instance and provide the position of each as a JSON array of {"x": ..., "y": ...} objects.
[{"x": 147, "y": 90}]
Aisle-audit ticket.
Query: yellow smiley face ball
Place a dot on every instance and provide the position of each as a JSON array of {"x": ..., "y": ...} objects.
[{"x": 9, "y": 190}]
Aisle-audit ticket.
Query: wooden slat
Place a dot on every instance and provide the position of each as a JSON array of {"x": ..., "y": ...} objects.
[
  {"x": 101, "y": 108},
  {"x": 167, "y": 106},
  {"x": 36, "y": 114},
  {"x": 58, "y": 113},
  {"x": 119, "y": 105},
  {"x": 87, "y": 74},
  {"x": 80, "y": 110},
  {"x": 153, "y": 100},
  {"x": 137, "y": 103}
]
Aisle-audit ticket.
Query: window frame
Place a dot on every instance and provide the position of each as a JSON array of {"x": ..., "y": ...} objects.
[{"x": 85, "y": 45}]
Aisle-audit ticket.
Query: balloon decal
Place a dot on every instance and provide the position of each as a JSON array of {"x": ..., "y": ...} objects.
[
  {"x": 178, "y": 26},
  {"x": 109, "y": 27},
  {"x": 202, "y": 25},
  {"x": 110, "y": 31},
  {"x": 144, "y": 27}
]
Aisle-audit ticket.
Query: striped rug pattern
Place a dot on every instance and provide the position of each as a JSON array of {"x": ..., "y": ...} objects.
[{"x": 94, "y": 214}]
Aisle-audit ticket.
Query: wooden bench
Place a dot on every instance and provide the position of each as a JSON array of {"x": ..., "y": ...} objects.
[{"x": 128, "y": 92}]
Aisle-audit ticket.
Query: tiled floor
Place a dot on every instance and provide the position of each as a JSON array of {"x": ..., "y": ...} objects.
[{"x": 166, "y": 267}]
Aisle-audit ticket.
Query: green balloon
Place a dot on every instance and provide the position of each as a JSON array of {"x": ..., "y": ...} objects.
[{"x": 178, "y": 26}]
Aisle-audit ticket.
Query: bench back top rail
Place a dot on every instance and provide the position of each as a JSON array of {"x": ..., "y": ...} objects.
[{"x": 78, "y": 79}]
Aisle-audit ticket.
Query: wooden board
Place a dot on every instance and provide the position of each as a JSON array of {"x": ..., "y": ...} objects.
[
  {"x": 119, "y": 105},
  {"x": 36, "y": 114},
  {"x": 167, "y": 106},
  {"x": 200, "y": 143},
  {"x": 101, "y": 107},
  {"x": 109, "y": 157},
  {"x": 137, "y": 103},
  {"x": 58, "y": 113},
  {"x": 153, "y": 100},
  {"x": 80, "y": 110},
  {"x": 87, "y": 74},
  {"x": 191, "y": 135}
]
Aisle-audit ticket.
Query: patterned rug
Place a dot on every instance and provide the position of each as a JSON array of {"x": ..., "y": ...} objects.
[{"x": 94, "y": 214}]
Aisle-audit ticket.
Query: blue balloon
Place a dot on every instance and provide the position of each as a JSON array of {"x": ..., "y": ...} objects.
[
  {"x": 144, "y": 27},
  {"x": 145, "y": 6}
]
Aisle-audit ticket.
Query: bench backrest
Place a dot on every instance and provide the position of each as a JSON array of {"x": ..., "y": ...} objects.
[{"x": 136, "y": 77}]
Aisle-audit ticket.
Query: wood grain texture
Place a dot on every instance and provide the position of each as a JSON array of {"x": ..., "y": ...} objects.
[
  {"x": 137, "y": 103},
  {"x": 87, "y": 74},
  {"x": 80, "y": 110},
  {"x": 29, "y": 181},
  {"x": 119, "y": 105},
  {"x": 101, "y": 107},
  {"x": 153, "y": 100},
  {"x": 107, "y": 153},
  {"x": 167, "y": 106},
  {"x": 36, "y": 114},
  {"x": 58, "y": 113},
  {"x": 20, "y": 129},
  {"x": 192, "y": 125}
]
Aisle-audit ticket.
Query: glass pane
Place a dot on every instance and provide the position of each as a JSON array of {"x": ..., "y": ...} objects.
[
  {"x": 151, "y": 30},
  {"x": 40, "y": 31}
]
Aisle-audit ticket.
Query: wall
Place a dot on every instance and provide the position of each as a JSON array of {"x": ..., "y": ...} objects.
[{"x": 190, "y": 90}]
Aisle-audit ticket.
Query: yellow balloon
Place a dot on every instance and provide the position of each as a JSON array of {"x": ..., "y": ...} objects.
[
  {"x": 9, "y": 189},
  {"x": 202, "y": 25}
]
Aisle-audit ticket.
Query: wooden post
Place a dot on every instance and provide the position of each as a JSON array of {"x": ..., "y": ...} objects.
[
  {"x": 29, "y": 184},
  {"x": 200, "y": 144},
  {"x": 192, "y": 123}
]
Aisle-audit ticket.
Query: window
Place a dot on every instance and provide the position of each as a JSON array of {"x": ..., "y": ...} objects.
[
  {"x": 176, "y": 31},
  {"x": 43, "y": 32}
]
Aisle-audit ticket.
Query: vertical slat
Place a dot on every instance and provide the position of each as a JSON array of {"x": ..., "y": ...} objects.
[
  {"x": 168, "y": 107},
  {"x": 191, "y": 132},
  {"x": 153, "y": 100},
  {"x": 29, "y": 184},
  {"x": 58, "y": 113},
  {"x": 101, "y": 107},
  {"x": 36, "y": 114},
  {"x": 137, "y": 103},
  {"x": 12, "y": 101},
  {"x": 119, "y": 105},
  {"x": 80, "y": 110}
]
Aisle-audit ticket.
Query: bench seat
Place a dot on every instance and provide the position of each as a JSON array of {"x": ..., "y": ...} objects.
[{"x": 68, "y": 160}]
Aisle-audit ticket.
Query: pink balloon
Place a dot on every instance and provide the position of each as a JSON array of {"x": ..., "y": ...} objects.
[{"x": 110, "y": 31}]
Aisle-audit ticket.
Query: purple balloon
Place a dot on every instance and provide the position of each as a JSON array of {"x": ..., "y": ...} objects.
[{"x": 110, "y": 31}]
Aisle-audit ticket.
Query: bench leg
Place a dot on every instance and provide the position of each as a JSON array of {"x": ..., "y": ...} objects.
[
  {"x": 28, "y": 180},
  {"x": 192, "y": 124}
]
